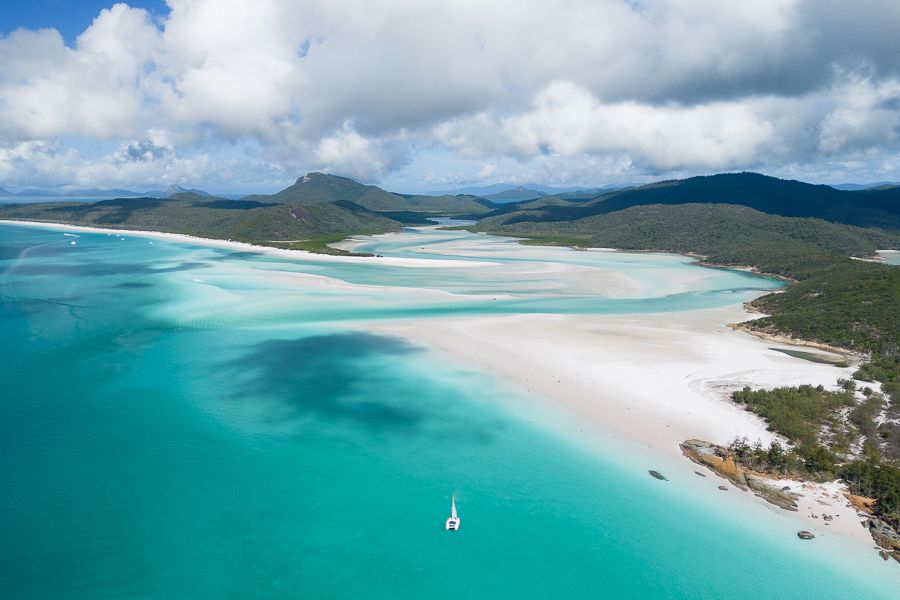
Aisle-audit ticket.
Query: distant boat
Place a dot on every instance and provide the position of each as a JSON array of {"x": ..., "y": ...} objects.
[{"x": 453, "y": 521}]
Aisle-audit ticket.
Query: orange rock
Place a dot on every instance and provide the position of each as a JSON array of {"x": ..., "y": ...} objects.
[{"x": 862, "y": 503}]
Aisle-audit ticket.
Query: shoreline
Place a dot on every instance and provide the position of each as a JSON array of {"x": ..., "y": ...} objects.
[
  {"x": 793, "y": 342},
  {"x": 241, "y": 246},
  {"x": 654, "y": 379},
  {"x": 651, "y": 380}
]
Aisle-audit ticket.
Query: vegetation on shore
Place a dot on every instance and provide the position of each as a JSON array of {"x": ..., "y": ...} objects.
[
  {"x": 316, "y": 211},
  {"x": 796, "y": 248},
  {"x": 319, "y": 245},
  {"x": 809, "y": 235},
  {"x": 267, "y": 224}
]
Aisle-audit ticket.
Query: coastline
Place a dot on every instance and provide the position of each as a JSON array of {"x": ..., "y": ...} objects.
[
  {"x": 654, "y": 379},
  {"x": 792, "y": 342},
  {"x": 240, "y": 246}
]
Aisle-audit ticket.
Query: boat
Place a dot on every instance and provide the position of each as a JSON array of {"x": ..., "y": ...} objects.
[{"x": 453, "y": 521}]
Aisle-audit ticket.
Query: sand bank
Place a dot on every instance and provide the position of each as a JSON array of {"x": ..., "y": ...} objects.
[{"x": 654, "y": 379}]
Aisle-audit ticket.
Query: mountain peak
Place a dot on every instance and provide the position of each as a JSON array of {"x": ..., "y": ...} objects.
[
  {"x": 309, "y": 177},
  {"x": 319, "y": 177}
]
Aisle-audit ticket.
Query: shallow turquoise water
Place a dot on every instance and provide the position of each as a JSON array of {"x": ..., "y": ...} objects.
[{"x": 179, "y": 421}]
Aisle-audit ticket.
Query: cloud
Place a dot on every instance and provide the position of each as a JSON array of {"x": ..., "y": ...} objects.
[
  {"x": 49, "y": 90},
  {"x": 155, "y": 147},
  {"x": 363, "y": 88},
  {"x": 346, "y": 151},
  {"x": 567, "y": 120},
  {"x": 866, "y": 115},
  {"x": 24, "y": 162}
]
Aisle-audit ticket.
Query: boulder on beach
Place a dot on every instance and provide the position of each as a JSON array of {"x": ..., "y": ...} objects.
[
  {"x": 771, "y": 494},
  {"x": 715, "y": 458},
  {"x": 883, "y": 534}
]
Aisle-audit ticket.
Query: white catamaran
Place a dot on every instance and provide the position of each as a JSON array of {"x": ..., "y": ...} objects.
[{"x": 453, "y": 521}]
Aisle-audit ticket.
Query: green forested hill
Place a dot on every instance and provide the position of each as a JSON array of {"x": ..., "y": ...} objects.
[
  {"x": 241, "y": 220},
  {"x": 726, "y": 234},
  {"x": 319, "y": 188},
  {"x": 869, "y": 208},
  {"x": 850, "y": 304},
  {"x": 317, "y": 209}
]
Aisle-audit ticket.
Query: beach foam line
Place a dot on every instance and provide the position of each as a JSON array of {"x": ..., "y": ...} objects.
[{"x": 247, "y": 247}]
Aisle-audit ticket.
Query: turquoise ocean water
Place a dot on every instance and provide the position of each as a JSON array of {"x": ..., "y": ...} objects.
[{"x": 182, "y": 421}]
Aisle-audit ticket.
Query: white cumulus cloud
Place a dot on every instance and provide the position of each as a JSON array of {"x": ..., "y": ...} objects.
[{"x": 594, "y": 88}]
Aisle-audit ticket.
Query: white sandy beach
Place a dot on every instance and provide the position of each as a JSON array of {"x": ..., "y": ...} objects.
[
  {"x": 890, "y": 256},
  {"x": 241, "y": 246},
  {"x": 655, "y": 379}
]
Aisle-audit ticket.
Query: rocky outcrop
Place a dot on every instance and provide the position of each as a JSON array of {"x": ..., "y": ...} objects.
[
  {"x": 861, "y": 503},
  {"x": 714, "y": 458},
  {"x": 772, "y": 494},
  {"x": 885, "y": 536},
  {"x": 717, "y": 459}
]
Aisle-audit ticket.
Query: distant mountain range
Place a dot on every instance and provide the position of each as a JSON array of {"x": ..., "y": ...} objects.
[
  {"x": 99, "y": 193},
  {"x": 508, "y": 192},
  {"x": 312, "y": 186},
  {"x": 853, "y": 187},
  {"x": 349, "y": 204}
]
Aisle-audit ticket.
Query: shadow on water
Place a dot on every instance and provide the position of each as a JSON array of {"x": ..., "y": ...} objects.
[
  {"x": 232, "y": 255},
  {"x": 128, "y": 285},
  {"x": 16, "y": 251},
  {"x": 356, "y": 379},
  {"x": 330, "y": 377}
]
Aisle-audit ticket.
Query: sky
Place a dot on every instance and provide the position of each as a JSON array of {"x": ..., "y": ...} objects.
[{"x": 240, "y": 96}]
